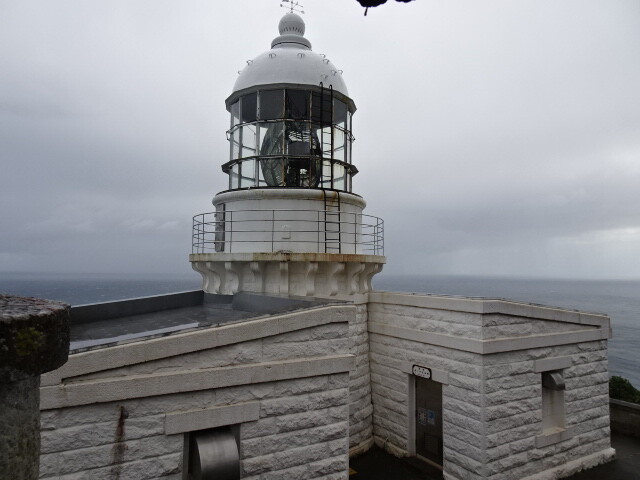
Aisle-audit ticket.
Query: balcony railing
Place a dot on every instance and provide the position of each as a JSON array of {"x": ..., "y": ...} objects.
[{"x": 291, "y": 231}]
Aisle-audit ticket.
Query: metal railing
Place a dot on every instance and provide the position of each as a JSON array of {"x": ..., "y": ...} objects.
[{"x": 296, "y": 231}]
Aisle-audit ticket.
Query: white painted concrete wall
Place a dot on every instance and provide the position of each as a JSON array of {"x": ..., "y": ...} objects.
[
  {"x": 489, "y": 356},
  {"x": 120, "y": 412},
  {"x": 291, "y": 220}
]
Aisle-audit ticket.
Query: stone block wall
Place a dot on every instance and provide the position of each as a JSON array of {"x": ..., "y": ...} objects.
[
  {"x": 516, "y": 446},
  {"x": 360, "y": 406},
  {"x": 122, "y": 412},
  {"x": 299, "y": 433},
  {"x": 489, "y": 356}
]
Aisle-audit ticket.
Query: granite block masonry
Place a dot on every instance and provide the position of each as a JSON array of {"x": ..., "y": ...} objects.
[
  {"x": 279, "y": 382},
  {"x": 34, "y": 339}
]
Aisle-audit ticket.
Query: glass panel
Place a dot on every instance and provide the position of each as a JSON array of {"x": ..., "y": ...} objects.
[
  {"x": 234, "y": 176},
  {"x": 274, "y": 171},
  {"x": 326, "y": 174},
  {"x": 340, "y": 113},
  {"x": 271, "y": 104},
  {"x": 235, "y": 113},
  {"x": 297, "y": 138},
  {"x": 247, "y": 179},
  {"x": 248, "y": 140},
  {"x": 321, "y": 107},
  {"x": 338, "y": 144},
  {"x": 234, "y": 138},
  {"x": 249, "y": 107},
  {"x": 294, "y": 172},
  {"x": 261, "y": 181},
  {"x": 326, "y": 141},
  {"x": 338, "y": 176},
  {"x": 297, "y": 104},
  {"x": 348, "y": 149},
  {"x": 271, "y": 138}
]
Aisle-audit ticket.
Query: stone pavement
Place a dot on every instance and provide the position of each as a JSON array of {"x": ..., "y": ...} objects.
[
  {"x": 626, "y": 466},
  {"x": 376, "y": 464}
]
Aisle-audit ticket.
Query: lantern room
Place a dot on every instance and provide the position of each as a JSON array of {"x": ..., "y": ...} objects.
[{"x": 290, "y": 119}]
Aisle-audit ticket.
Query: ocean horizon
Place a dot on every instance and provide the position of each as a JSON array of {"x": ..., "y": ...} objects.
[{"x": 619, "y": 299}]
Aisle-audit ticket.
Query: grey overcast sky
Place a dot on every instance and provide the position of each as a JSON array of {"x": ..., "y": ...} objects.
[{"x": 493, "y": 137}]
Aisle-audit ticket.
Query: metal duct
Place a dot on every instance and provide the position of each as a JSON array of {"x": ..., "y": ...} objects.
[{"x": 213, "y": 455}]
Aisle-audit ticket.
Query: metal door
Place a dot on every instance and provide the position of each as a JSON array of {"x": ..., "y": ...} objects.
[{"x": 429, "y": 420}]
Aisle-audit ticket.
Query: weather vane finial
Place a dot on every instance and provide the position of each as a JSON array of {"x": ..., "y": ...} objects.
[{"x": 293, "y": 6}]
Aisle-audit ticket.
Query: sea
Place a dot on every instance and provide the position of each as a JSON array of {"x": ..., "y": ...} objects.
[{"x": 620, "y": 299}]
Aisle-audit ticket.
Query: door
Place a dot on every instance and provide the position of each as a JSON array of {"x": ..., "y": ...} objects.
[{"x": 429, "y": 420}]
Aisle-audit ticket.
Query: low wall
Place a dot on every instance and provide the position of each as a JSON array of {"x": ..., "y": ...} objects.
[{"x": 625, "y": 417}]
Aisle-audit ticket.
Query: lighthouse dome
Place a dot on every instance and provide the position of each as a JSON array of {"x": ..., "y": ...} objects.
[{"x": 290, "y": 61}]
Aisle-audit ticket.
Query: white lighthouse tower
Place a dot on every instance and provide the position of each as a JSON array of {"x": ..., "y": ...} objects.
[{"x": 289, "y": 222}]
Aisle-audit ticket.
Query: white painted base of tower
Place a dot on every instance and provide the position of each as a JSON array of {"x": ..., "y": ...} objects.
[{"x": 298, "y": 274}]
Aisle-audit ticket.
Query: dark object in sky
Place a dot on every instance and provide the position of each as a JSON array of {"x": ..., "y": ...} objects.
[{"x": 374, "y": 3}]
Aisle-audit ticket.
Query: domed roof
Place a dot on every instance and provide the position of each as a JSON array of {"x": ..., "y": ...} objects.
[{"x": 290, "y": 60}]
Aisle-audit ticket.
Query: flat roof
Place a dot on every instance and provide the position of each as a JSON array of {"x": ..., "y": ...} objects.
[{"x": 104, "y": 324}]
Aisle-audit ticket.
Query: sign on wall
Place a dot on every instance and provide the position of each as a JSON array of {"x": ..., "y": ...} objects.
[{"x": 422, "y": 372}]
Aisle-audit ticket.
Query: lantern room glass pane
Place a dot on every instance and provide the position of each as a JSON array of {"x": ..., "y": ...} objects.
[
  {"x": 234, "y": 176},
  {"x": 297, "y": 138},
  {"x": 338, "y": 176},
  {"x": 321, "y": 107},
  {"x": 234, "y": 138},
  {"x": 248, "y": 173},
  {"x": 325, "y": 136},
  {"x": 326, "y": 174},
  {"x": 340, "y": 113},
  {"x": 273, "y": 170},
  {"x": 297, "y": 104},
  {"x": 261, "y": 180},
  {"x": 249, "y": 107},
  {"x": 272, "y": 138},
  {"x": 235, "y": 113},
  {"x": 338, "y": 144},
  {"x": 271, "y": 104},
  {"x": 248, "y": 140}
]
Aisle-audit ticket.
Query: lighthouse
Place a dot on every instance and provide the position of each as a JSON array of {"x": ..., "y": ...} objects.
[
  {"x": 290, "y": 222},
  {"x": 287, "y": 364}
]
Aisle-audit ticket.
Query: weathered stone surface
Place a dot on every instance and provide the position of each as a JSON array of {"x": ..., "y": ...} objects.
[
  {"x": 162, "y": 466},
  {"x": 492, "y": 404},
  {"x": 297, "y": 416},
  {"x": 293, "y": 457},
  {"x": 255, "y": 447},
  {"x": 19, "y": 429},
  {"x": 297, "y": 421},
  {"x": 326, "y": 469},
  {"x": 34, "y": 336},
  {"x": 95, "y": 434}
]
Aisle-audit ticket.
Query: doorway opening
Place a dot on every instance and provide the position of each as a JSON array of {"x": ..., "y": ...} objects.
[{"x": 428, "y": 420}]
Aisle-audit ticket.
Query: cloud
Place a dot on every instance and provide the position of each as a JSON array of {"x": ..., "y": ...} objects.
[{"x": 493, "y": 137}]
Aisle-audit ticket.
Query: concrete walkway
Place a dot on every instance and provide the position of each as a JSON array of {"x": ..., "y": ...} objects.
[
  {"x": 626, "y": 466},
  {"x": 377, "y": 464}
]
